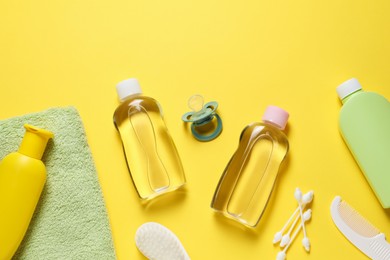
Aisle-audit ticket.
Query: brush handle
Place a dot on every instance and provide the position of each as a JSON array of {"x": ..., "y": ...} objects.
[{"x": 379, "y": 248}]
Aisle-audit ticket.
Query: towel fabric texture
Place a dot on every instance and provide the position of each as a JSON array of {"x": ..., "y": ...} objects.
[{"x": 70, "y": 221}]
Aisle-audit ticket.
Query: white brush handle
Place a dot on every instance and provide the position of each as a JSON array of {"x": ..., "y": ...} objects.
[{"x": 380, "y": 248}]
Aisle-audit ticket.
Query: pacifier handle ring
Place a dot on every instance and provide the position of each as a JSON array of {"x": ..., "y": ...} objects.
[{"x": 213, "y": 135}]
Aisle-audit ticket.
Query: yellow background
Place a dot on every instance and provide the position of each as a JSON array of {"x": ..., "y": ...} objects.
[{"x": 245, "y": 55}]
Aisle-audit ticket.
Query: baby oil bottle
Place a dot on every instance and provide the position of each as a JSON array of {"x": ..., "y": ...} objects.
[
  {"x": 151, "y": 155},
  {"x": 249, "y": 178}
]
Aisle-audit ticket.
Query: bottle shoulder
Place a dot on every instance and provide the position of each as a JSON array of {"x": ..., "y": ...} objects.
[
  {"x": 261, "y": 127},
  {"x": 135, "y": 100},
  {"x": 256, "y": 130},
  {"x": 147, "y": 103},
  {"x": 366, "y": 113},
  {"x": 22, "y": 162},
  {"x": 364, "y": 99},
  {"x": 139, "y": 97},
  {"x": 365, "y": 104}
]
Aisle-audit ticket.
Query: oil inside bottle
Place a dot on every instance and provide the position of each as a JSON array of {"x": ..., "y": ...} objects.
[
  {"x": 151, "y": 155},
  {"x": 248, "y": 180}
]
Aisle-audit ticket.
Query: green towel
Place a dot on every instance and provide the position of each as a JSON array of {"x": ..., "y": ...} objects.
[{"x": 70, "y": 221}]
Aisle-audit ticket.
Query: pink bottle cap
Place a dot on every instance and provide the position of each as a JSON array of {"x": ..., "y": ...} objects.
[{"x": 276, "y": 116}]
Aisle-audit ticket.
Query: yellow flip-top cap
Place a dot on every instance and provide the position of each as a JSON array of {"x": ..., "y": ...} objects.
[{"x": 34, "y": 141}]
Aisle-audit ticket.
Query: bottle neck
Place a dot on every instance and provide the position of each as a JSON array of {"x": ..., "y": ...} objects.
[
  {"x": 273, "y": 124},
  {"x": 130, "y": 96},
  {"x": 34, "y": 142},
  {"x": 344, "y": 100}
]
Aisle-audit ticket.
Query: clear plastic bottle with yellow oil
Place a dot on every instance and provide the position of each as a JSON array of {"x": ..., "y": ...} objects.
[
  {"x": 151, "y": 155},
  {"x": 249, "y": 178},
  {"x": 22, "y": 177}
]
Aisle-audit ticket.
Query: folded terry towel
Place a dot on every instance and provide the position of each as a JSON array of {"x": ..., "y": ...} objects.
[{"x": 70, "y": 221}]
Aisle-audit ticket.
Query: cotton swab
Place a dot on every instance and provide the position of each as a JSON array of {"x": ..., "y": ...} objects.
[
  {"x": 306, "y": 199},
  {"x": 305, "y": 241},
  {"x": 286, "y": 238},
  {"x": 282, "y": 254}
]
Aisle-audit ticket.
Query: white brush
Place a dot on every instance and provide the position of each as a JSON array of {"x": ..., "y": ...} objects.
[
  {"x": 359, "y": 231},
  {"x": 157, "y": 242}
]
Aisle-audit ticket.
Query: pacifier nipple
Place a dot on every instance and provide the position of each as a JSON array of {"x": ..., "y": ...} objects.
[{"x": 195, "y": 103}]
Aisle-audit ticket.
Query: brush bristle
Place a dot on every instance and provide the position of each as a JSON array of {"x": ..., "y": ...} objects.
[
  {"x": 356, "y": 221},
  {"x": 158, "y": 243}
]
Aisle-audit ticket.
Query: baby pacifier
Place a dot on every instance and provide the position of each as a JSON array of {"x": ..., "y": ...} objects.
[{"x": 202, "y": 117}]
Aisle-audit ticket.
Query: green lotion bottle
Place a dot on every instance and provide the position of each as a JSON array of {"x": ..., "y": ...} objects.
[{"x": 365, "y": 126}]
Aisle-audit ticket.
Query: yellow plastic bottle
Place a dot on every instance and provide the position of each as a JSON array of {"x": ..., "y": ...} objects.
[{"x": 22, "y": 177}]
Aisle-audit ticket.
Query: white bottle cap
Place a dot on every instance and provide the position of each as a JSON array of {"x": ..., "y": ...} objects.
[
  {"x": 128, "y": 87},
  {"x": 348, "y": 87}
]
